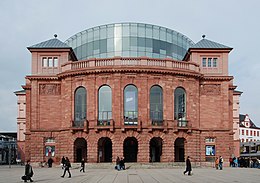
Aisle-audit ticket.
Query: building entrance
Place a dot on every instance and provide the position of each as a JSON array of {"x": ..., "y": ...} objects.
[
  {"x": 155, "y": 149},
  {"x": 130, "y": 149},
  {"x": 80, "y": 149},
  {"x": 104, "y": 150},
  {"x": 179, "y": 150}
]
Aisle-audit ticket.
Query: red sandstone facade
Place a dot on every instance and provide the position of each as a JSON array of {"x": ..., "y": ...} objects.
[{"x": 50, "y": 99}]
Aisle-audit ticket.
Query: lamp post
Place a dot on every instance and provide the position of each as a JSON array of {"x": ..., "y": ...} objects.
[{"x": 249, "y": 150}]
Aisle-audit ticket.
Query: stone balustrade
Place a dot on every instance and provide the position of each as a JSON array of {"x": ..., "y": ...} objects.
[{"x": 139, "y": 62}]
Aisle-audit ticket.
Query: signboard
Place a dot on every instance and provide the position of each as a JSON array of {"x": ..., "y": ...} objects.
[{"x": 210, "y": 150}]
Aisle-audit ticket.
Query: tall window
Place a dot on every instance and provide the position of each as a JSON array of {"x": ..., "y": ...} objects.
[
  {"x": 156, "y": 104},
  {"x": 130, "y": 105},
  {"x": 104, "y": 104},
  {"x": 180, "y": 105},
  {"x": 80, "y": 106}
]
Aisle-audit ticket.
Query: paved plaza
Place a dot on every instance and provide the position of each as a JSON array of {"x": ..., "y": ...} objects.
[{"x": 131, "y": 175}]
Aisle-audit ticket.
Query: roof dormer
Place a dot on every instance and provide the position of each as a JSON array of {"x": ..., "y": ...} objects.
[
  {"x": 211, "y": 56},
  {"x": 48, "y": 56}
]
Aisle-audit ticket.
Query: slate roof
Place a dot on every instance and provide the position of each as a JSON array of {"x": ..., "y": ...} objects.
[
  {"x": 205, "y": 44},
  {"x": 52, "y": 43}
]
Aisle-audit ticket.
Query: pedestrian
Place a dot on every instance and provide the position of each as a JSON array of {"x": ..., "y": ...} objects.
[
  {"x": 28, "y": 172},
  {"x": 117, "y": 163},
  {"x": 122, "y": 164},
  {"x": 220, "y": 162},
  {"x": 188, "y": 166},
  {"x": 67, "y": 167},
  {"x": 50, "y": 161},
  {"x": 63, "y": 161},
  {"x": 216, "y": 163},
  {"x": 82, "y": 165}
]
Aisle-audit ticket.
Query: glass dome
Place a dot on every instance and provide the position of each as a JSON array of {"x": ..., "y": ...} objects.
[{"x": 129, "y": 40}]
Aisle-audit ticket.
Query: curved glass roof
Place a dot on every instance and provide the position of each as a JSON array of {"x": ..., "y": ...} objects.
[{"x": 129, "y": 40}]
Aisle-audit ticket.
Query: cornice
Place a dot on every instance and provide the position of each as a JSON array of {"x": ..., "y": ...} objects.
[
  {"x": 217, "y": 78},
  {"x": 129, "y": 70},
  {"x": 41, "y": 77}
]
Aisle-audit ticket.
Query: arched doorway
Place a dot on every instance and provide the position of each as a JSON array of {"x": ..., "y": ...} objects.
[
  {"x": 104, "y": 150},
  {"x": 155, "y": 149},
  {"x": 179, "y": 150},
  {"x": 130, "y": 149},
  {"x": 80, "y": 149}
]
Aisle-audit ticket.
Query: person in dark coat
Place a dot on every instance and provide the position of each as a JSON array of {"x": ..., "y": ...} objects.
[
  {"x": 67, "y": 168},
  {"x": 63, "y": 161},
  {"x": 28, "y": 172},
  {"x": 50, "y": 161},
  {"x": 188, "y": 166},
  {"x": 122, "y": 164},
  {"x": 82, "y": 165}
]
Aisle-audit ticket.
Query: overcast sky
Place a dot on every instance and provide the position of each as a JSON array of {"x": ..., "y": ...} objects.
[{"x": 234, "y": 23}]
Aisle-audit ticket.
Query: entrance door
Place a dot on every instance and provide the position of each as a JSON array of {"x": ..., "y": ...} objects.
[
  {"x": 104, "y": 150},
  {"x": 155, "y": 149},
  {"x": 179, "y": 150},
  {"x": 130, "y": 149},
  {"x": 80, "y": 149}
]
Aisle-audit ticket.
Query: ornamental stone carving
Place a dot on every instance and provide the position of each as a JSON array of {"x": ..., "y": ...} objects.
[{"x": 49, "y": 89}]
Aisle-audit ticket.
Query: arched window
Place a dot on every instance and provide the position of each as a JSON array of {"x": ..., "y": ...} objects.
[
  {"x": 104, "y": 105},
  {"x": 156, "y": 105},
  {"x": 180, "y": 106},
  {"x": 80, "y": 106},
  {"x": 130, "y": 105}
]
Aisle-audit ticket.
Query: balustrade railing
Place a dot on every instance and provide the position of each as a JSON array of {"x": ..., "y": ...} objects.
[
  {"x": 118, "y": 61},
  {"x": 131, "y": 118}
]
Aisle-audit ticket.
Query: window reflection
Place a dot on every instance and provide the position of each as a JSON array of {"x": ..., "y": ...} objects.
[
  {"x": 104, "y": 104},
  {"x": 130, "y": 105},
  {"x": 80, "y": 106},
  {"x": 131, "y": 37},
  {"x": 156, "y": 104}
]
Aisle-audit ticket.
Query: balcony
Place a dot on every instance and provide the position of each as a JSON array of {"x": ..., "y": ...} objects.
[
  {"x": 81, "y": 125},
  {"x": 139, "y": 62},
  {"x": 131, "y": 118}
]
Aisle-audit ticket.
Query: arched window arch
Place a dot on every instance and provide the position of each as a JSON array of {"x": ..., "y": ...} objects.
[
  {"x": 156, "y": 104},
  {"x": 104, "y": 105},
  {"x": 80, "y": 104},
  {"x": 180, "y": 106},
  {"x": 130, "y": 105}
]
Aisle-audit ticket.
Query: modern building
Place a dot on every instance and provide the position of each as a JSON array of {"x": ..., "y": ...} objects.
[
  {"x": 8, "y": 148},
  {"x": 138, "y": 91}
]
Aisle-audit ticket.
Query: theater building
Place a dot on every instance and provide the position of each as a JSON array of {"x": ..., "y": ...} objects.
[{"x": 133, "y": 90}]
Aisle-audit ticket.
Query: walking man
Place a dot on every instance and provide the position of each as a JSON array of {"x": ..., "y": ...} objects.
[
  {"x": 82, "y": 165},
  {"x": 188, "y": 166},
  {"x": 220, "y": 162},
  {"x": 67, "y": 168}
]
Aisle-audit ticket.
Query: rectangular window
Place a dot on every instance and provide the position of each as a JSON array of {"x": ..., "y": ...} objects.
[
  {"x": 50, "y": 62},
  {"x": 254, "y": 133},
  {"x": 55, "y": 61},
  {"x": 44, "y": 62},
  {"x": 209, "y": 62},
  {"x": 247, "y": 132},
  {"x": 214, "y": 62},
  {"x": 203, "y": 62},
  {"x": 242, "y": 132},
  {"x": 258, "y": 133},
  {"x": 251, "y": 133}
]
